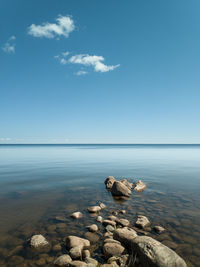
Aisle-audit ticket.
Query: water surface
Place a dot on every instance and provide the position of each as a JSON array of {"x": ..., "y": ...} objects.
[{"x": 40, "y": 182}]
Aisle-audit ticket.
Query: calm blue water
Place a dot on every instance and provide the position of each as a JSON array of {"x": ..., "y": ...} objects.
[{"x": 37, "y": 179}]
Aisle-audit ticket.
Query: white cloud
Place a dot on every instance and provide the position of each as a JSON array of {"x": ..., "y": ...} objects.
[
  {"x": 65, "y": 54},
  {"x": 94, "y": 61},
  {"x": 81, "y": 72},
  {"x": 63, "y": 61},
  {"x": 9, "y": 46},
  {"x": 62, "y": 57},
  {"x": 63, "y": 27}
]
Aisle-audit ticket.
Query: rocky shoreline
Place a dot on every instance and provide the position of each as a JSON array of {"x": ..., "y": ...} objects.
[{"x": 122, "y": 245}]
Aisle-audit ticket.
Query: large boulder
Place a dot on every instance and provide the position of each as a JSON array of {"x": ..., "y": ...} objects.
[
  {"x": 109, "y": 182},
  {"x": 112, "y": 249},
  {"x": 124, "y": 235},
  {"x": 152, "y": 253},
  {"x": 140, "y": 186},
  {"x": 119, "y": 189},
  {"x": 75, "y": 241}
]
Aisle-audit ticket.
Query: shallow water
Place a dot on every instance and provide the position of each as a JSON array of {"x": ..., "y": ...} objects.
[{"x": 40, "y": 182}]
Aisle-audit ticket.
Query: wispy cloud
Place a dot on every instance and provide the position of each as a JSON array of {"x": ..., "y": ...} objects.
[
  {"x": 81, "y": 72},
  {"x": 9, "y": 46},
  {"x": 94, "y": 61},
  {"x": 63, "y": 27},
  {"x": 62, "y": 57}
]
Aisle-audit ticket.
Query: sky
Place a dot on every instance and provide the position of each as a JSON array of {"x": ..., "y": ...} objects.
[{"x": 89, "y": 71}]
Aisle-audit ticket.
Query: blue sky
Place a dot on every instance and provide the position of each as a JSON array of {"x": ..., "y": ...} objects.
[{"x": 88, "y": 71}]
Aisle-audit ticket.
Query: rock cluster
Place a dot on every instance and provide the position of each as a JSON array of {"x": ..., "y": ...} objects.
[{"x": 122, "y": 245}]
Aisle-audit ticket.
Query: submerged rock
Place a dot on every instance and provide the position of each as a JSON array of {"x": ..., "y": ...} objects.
[
  {"x": 77, "y": 215},
  {"x": 152, "y": 253},
  {"x": 109, "y": 182},
  {"x": 140, "y": 186},
  {"x": 62, "y": 261},
  {"x": 142, "y": 221},
  {"x": 94, "y": 209},
  {"x": 99, "y": 219},
  {"x": 159, "y": 229},
  {"x": 38, "y": 241},
  {"x": 119, "y": 189}
]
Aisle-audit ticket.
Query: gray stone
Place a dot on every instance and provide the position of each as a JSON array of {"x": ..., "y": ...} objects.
[
  {"x": 38, "y": 241},
  {"x": 159, "y": 229},
  {"x": 74, "y": 241},
  {"x": 142, "y": 221},
  {"x": 119, "y": 189},
  {"x": 124, "y": 235},
  {"x": 77, "y": 215},
  {"x": 94, "y": 209},
  {"x": 112, "y": 249},
  {"x": 152, "y": 253},
  {"x": 76, "y": 252},
  {"x": 92, "y": 228}
]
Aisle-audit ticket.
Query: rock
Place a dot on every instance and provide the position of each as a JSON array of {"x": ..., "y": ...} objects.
[
  {"x": 152, "y": 253},
  {"x": 115, "y": 213},
  {"x": 108, "y": 235},
  {"x": 41, "y": 262},
  {"x": 76, "y": 215},
  {"x": 112, "y": 249},
  {"x": 112, "y": 218},
  {"x": 111, "y": 240},
  {"x": 75, "y": 241},
  {"x": 108, "y": 222},
  {"x": 142, "y": 221},
  {"x": 127, "y": 183},
  {"x": 140, "y": 186},
  {"x": 110, "y": 228},
  {"x": 102, "y": 206},
  {"x": 122, "y": 211},
  {"x": 124, "y": 235},
  {"x": 122, "y": 222},
  {"x": 159, "y": 229},
  {"x": 99, "y": 219},
  {"x": 109, "y": 182},
  {"x": 119, "y": 189},
  {"x": 62, "y": 261},
  {"x": 92, "y": 228},
  {"x": 38, "y": 241},
  {"x": 86, "y": 253},
  {"x": 76, "y": 252},
  {"x": 61, "y": 219},
  {"x": 77, "y": 264},
  {"x": 92, "y": 237},
  {"x": 94, "y": 209},
  {"x": 113, "y": 264},
  {"x": 91, "y": 262}
]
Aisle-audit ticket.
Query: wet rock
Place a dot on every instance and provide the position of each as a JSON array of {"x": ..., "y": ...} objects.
[
  {"x": 76, "y": 252},
  {"x": 159, "y": 229},
  {"x": 109, "y": 182},
  {"x": 112, "y": 218},
  {"x": 41, "y": 262},
  {"x": 109, "y": 222},
  {"x": 61, "y": 219},
  {"x": 153, "y": 253},
  {"x": 99, "y": 219},
  {"x": 140, "y": 186},
  {"x": 62, "y": 261},
  {"x": 122, "y": 211},
  {"x": 113, "y": 264},
  {"x": 124, "y": 235},
  {"x": 77, "y": 264},
  {"x": 115, "y": 213},
  {"x": 92, "y": 237},
  {"x": 110, "y": 228},
  {"x": 75, "y": 241},
  {"x": 112, "y": 249},
  {"x": 108, "y": 235},
  {"x": 122, "y": 222},
  {"x": 127, "y": 183},
  {"x": 142, "y": 221},
  {"x": 119, "y": 189},
  {"x": 38, "y": 241},
  {"x": 91, "y": 262},
  {"x": 76, "y": 215},
  {"x": 86, "y": 253},
  {"x": 111, "y": 240},
  {"x": 94, "y": 209},
  {"x": 92, "y": 228},
  {"x": 102, "y": 206}
]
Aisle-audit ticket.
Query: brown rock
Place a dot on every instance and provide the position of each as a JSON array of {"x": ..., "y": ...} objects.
[
  {"x": 119, "y": 189},
  {"x": 77, "y": 215},
  {"x": 142, "y": 221},
  {"x": 112, "y": 249},
  {"x": 109, "y": 182},
  {"x": 140, "y": 186},
  {"x": 74, "y": 241}
]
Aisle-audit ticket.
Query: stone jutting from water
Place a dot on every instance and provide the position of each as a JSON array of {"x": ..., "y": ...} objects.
[
  {"x": 142, "y": 221},
  {"x": 140, "y": 186},
  {"x": 119, "y": 189},
  {"x": 94, "y": 209},
  {"x": 77, "y": 215},
  {"x": 109, "y": 182},
  {"x": 38, "y": 241}
]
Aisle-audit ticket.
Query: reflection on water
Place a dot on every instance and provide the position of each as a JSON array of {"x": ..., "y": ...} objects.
[{"x": 38, "y": 183}]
